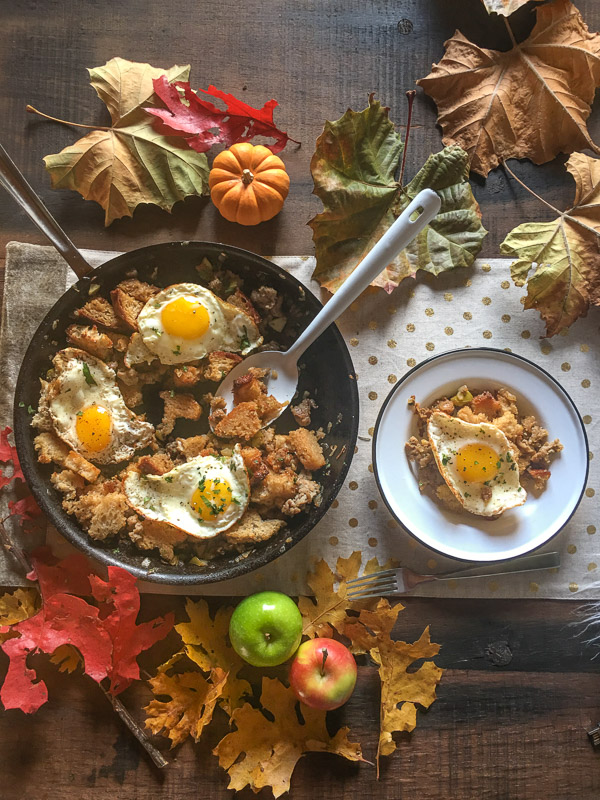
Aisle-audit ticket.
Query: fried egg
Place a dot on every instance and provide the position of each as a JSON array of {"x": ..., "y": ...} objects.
[
  {"x": 185, "y": 322},
  {"x": 203, "y": 497},
  {"x": 477, "y": 463},
  {"x": 87, "y": 410}
]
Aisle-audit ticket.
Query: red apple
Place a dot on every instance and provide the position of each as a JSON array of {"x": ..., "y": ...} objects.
[{"x": 323, "y": 673}]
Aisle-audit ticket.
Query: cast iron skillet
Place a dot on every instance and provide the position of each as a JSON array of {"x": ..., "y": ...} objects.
[{"x": 326, "y": 371}]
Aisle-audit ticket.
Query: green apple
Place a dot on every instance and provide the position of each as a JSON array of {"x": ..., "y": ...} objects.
[{"x": 266, "y": 628}]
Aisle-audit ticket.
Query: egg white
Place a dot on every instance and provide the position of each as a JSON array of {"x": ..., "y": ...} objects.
[
  {"x": 447, "y": 435},
  {"x": 166, "y": 498},
  {"x": 230, "y": 328},
  {"x": 82, "y": 381}
]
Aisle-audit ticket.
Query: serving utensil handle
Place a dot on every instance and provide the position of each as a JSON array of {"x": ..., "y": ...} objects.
[
  {"x": 521, "y": 564},
  {"x": 15, "y": 183},
  {"x": 401, "y": 233}
]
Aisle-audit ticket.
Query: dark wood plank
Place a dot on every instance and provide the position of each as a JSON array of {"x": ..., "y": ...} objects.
[{"x": 315, "y": 58}]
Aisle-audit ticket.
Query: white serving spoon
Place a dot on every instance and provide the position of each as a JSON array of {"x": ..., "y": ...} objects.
[{"x": 283, "y": 378}]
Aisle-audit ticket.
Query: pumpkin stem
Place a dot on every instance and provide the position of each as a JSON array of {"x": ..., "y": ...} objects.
[{"x": 247, "y": 177}]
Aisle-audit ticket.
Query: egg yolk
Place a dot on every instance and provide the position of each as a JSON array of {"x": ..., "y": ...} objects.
[
  {"x": 211, "y": 498},
  {"x": 185, "y": 318},
  {"x": 93, "y": 428},
  {"x": 476, "y": 463}
]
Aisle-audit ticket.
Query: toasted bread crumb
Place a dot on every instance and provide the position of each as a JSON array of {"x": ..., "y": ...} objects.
[
  {"x": 220, "y": 364},
  {"x": 51, "y": 449},
  {"x": 242, "y": 422},
  {"x": 176, "y": 406},
  {"x": 100, "y": 311},
  {"x": 252, "y": 528},
  {"x": 307, "y": 448},
  {"x": 90, "y": 339}
]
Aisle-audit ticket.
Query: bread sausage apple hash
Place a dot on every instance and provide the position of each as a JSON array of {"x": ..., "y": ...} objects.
[
  {"x": 476, "y": 452},
  {"x": 172, "y": 485}
]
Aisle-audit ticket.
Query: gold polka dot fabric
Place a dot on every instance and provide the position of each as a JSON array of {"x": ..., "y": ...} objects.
[{"x": 387, "y": 335}]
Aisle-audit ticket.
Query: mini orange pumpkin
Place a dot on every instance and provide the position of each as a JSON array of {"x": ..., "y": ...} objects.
[{"x": 248, "y": 184}]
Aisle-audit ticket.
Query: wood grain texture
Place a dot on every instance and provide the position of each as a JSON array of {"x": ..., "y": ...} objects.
[{"x": 520, "y": 689}]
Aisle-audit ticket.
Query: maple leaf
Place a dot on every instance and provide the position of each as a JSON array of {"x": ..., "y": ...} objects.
[
  {"x": 121, "y": 604},
  {"x": 130, "y": 162},
  {"x": 8, "y": 455},
  {"x": 353, "y": 169},
  {"x": 66, "y": 658},
  {"x": 529, "y": 102},
  {"x": 26, "y": 509},
  {"x": 15, "y": 607},
  {"x": 191, "y": 705},
  {"x": 560, "y": 260},
  {"x": 206, "y": 644},
  {"x": 202, "y": 124},
  {"x": 263, "y": 751},
  {"x": 504, "y": 7},
  {"x": 401, "y": 691}
]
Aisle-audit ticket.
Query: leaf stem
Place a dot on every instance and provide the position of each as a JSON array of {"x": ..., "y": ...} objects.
[
  {"x": 524, "y": 185},
  {"x": 33, "y": 110},
  {"x": 410, "y": 96},
  {"x": 510, "y": 32}
]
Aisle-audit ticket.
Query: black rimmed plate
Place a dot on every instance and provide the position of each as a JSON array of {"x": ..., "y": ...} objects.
[{"x": 463, "y": 535}]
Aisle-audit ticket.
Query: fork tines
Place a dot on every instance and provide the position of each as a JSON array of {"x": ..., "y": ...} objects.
[{"x": 378, "y": 583}]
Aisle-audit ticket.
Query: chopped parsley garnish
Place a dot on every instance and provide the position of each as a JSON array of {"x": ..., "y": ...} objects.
[
  {"x": 445, "y": 459},
  {"x": 21, "y": 404},
  {"x": 30, "y": 410},
  {"x": 169, "y": 478},
  {"x": 89, "y": 378},
  {"x": 244, "y": 341},
  {"x": 177, "y": 350},
  {"x": 509, "y": 458}
]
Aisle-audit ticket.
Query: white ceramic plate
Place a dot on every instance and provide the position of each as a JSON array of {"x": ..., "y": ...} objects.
[{"x": 462, "y": 535}]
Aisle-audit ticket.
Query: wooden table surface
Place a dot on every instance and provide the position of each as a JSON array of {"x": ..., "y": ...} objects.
[{"x": 508, "y": 728}]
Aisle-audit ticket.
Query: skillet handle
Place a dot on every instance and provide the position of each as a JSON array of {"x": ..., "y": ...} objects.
[{"x": 13, "y": 180}]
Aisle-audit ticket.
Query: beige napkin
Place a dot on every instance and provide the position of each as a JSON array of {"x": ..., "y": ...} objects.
[{"x": 387, "y": 335}]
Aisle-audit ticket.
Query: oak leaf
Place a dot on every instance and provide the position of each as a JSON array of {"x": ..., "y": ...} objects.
[
  {"x": 328, "y": 609},
  {"x": 207, "y": 645},
  {"x": 353, "y": 169},
  {"x": 529, "y": 102},
  {"x": 263, "y": 750},
  {"x": 504, "y": 7},
  {"x": 401, "y": 691},
  {"x": 560, "y": 260},
  {"x": 130, "y": 162},
  {"x": 202, "y": 124},
  {"x": 190, "y": 707},
  {"x": 15, "y": 607}
]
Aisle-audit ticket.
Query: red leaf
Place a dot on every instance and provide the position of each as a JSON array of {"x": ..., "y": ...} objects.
[
  {"x": 63, "y": 619},
  {"x": 27, "y": 509},
  {"x": 8, "y": 455},
  {"x": 202, "y": 124},
  {"x": 69, "y": 576},
  {"x": 121, "y": 604}
]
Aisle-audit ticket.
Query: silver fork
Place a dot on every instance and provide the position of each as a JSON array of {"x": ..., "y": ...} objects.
[{"x": 404, "y": 580}]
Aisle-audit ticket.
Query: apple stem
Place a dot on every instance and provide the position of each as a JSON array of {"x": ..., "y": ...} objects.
[
  {"x": 268, "y": 637},
  {"x": 325, "y": 654}
]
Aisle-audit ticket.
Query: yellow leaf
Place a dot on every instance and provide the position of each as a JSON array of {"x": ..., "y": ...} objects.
[
  {"x": 67, "y": 658},
  {"x": 529, "y": 102},
  {"x": 207, "y": 645},
  {"x": 401, "y": 691},
  {"x": 129, "y": 163},
  {"x": 263, "y": 751},
  {"x": 15, "y": 607},
  {"x": 191, "y": 705},
  {"x": 327, "y": 609},
  {"x": 559, "y": 260}
]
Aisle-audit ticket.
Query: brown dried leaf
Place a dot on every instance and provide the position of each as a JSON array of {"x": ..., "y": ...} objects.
[
  {"x": 401, "y": 691},
  {"x": 263, "y": 751},
  {"x": 327, "y": 610},
  {"x": 559, "y": 260},
  {"x": 207, "y": 645},
  {"x": 190, "y": 707},
  {"x": 67, "y": 658},
  {"x": 530, "y": 102}
]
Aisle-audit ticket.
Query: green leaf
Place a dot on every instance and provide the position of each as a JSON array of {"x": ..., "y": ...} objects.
[
  {"x": 559, "y": 261},
  {"x": 89, "y": 378},
  {"x": 129, "y": 163},
  {"x": 354, "y": 169}
]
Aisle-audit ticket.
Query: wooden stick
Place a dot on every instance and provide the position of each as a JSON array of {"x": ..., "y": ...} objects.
[
  {"x": 13, "y": 549},
  {"x": 119, "y": 709}
]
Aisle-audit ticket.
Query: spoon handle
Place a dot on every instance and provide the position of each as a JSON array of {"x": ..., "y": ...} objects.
[
  {"x": 396, "y": 238},
  {"x": 15, "y": 183}
]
